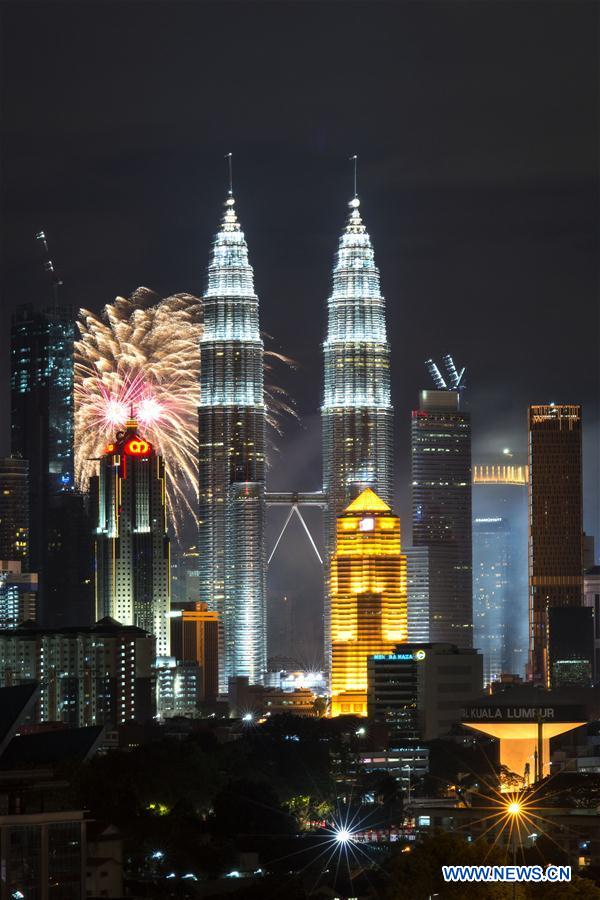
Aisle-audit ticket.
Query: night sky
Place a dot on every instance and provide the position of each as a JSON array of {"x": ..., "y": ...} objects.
[{"x": 476, "y": 125}]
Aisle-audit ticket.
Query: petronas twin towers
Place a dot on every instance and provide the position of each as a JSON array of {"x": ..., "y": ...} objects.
[{"x": 356, "y": 417}]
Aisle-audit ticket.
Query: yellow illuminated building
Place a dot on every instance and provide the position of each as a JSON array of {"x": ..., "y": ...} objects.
[{"x": 368, "y": 598}]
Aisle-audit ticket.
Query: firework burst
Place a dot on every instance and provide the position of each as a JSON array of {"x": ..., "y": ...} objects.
[{"x": 143, "y": 354}]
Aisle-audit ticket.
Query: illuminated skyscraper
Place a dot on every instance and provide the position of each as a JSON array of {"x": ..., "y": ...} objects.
[
  {"x": 357, "y": 412},
  {"x": 441, "y": 501},
  {"x": 500, "y": 504},
  {"x": 491, "y": 593},
  {"x": 42, "y": 414},
  {"x": 555, "y": 524},
  {"x": 231, "y": 419},
  {"x": 368, "y": 598},
  {"x": 133, "y": 577}
]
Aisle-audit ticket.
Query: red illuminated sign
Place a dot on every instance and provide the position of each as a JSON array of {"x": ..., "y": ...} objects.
[
  {"x": 137, "y": 447},
  {"x": 109, "y": 448}
]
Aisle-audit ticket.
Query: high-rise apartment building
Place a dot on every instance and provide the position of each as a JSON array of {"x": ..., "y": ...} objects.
[
  {"x": 231, "y": 420},
  {"x": 42, "y": 407},
  {"x": 18, "y": 594},
  {"x": 357, "y": 414},
  {"x": 133, "y": 575},
  {"x": 441, "y": 502},
  {"x": 14, "y": 509},
  {"x": 368, "y": 597},
  {"x": 555, "y": 524},
  {"x": 97, "y": 675}
]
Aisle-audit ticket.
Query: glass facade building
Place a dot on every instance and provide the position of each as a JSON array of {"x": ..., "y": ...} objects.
[
  {"x": 357, "y": 415},
  {"x": 42, "y": 388},
  {"x": 500, "y": 502},
  {"x": 491, "y": 593},
  {"x": 42, "y": 415},
  {"x": 441, "y": 505},
  {"x": 231, "y": 463}
]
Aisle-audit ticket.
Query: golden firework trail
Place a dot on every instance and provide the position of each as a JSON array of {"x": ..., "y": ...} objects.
[{"x": 142, "y": 353}]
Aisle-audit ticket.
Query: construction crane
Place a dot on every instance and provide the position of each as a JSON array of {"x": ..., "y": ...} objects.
[{"x": 53, "y": 276}]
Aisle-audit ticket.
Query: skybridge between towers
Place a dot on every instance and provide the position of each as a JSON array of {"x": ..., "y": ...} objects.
[{"x": 294, "y": 500}]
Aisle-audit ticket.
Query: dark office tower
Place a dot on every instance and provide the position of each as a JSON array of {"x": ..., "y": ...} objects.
[
  {"x": 357, "y": 415},
  {"x": 14, "y": 510},
  {"x": 555, "y": 524},
  {"x": 42, "y": 413},
  {"x": 133, "y": 573},
  {"x": 571, "y": 646},
  {"x": 231, "y": 420},
  {"x": 441, "y": 501},
  {"x": 69, "y": 562}
]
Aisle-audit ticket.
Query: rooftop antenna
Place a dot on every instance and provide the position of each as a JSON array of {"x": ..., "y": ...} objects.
[
  {"x": 354, "y": 159},
  {"x": 55, "y": 279},
  {"x": 455, "y": 376},
  {"x": 454, "y": 380},
  {"x": 229, "y": 158},
  {"x": 436, "y": 375}
]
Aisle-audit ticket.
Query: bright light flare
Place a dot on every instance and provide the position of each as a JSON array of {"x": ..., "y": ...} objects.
[
  {"x": 149, "y": 411},
  {"x": 115, "y": 412},
  {"x": 343, "y": 835},
  {"x": 514, "y": 808}
]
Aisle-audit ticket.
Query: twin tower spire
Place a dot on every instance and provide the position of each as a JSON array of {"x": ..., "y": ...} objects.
[{"x": 356, "y": 419}]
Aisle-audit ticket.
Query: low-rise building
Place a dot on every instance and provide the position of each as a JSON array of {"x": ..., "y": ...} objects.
[
  {"x": 420, "y": 690},
  {"x": 406, "y": 764},
  {"x": 255, "y": 700}
]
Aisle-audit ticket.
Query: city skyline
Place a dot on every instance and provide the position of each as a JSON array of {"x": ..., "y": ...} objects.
[
  {"x": 479, "y": 212},
  {"x": 442, "y": 223},
  {"x": 300, "y": 453}
]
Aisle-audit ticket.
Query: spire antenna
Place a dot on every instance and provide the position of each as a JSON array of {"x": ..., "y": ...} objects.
[
  {"x": 354, "y": 159},
  {"x": 229, "y": 158}
]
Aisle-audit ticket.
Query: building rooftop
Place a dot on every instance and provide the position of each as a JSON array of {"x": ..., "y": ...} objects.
[
  {"x": 48, "y": 748},
  {"x": 15, "y": 704},
  {"x": 367, "y": 501},
  {"x": 106, "y": 626}
]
